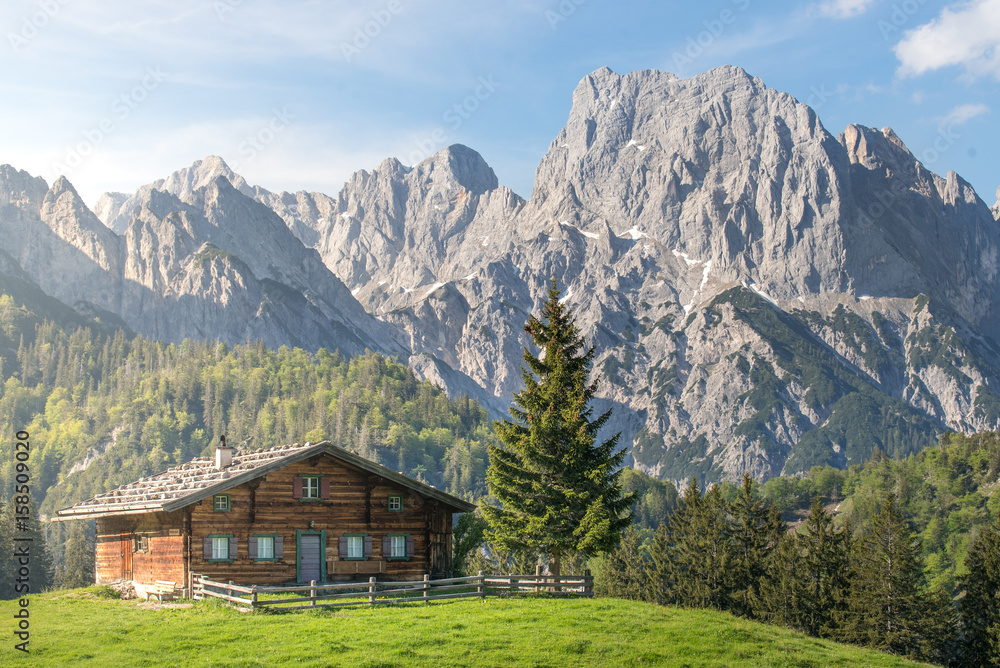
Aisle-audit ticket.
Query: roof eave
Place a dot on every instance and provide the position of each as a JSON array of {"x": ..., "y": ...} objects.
[{"x": 63, "y": 516}]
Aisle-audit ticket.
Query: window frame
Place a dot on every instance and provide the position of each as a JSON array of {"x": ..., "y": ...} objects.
[
  {"x": 404, "y": 537},
  {"x": 229, "y": 558},
  {"x": 361, "y": 538},
  {"x": 215, "y": 503},
  {"x": 397, "y": 498},
  {"x": 274, "y": 540},
  {"x": 315, "y": 479}
]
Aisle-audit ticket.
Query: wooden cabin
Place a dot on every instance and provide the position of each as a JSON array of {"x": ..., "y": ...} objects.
[{"x": 295, "y": 513}]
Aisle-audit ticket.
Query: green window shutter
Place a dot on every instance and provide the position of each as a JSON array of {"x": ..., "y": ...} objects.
[
  {"x": 252, "y": 547},
  {"x": 342, "y": 548},
  {"x": 232, "y": 547},
  {"x": 297, "y": 487},
  {"x": 207, "y": 551},
  {"x": 368, "y": 547},
  {"x": 279, "y": 547},
  {"x": 386, "y": 546},
  {"x": 410, "y": 542}
]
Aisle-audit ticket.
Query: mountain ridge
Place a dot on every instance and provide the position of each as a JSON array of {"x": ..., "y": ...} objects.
[{"x": 703, "y": 230}]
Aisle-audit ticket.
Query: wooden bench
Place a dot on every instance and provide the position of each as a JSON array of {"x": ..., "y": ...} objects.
[{"x": 161, "y": 589}]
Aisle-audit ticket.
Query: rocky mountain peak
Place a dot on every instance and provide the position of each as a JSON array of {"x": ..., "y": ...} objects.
[
  {"x": 116, "y": 213},
  {"x": 461, "y": 165},
  {"x": 20, "y": 189},
  {"x": 201, "y": 173},
  {"x": 109, "y": 205},
  {"x": 877, "y": 149}
]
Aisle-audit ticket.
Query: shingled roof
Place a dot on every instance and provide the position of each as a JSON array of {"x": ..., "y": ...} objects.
[{"x": 200, "y": 478}]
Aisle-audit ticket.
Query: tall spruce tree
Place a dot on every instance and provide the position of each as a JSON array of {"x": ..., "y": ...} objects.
[
  {"x": 979, "y": 608},
  {"x": 692, "y": 553},
  {"x": 756, "y": 531},
  {"x": 823, "y": 571},
  {"x": 810, "y": 576},
  {"x": 889, "y": 607},
  {"x": 670, "y": 562},
  {"x": 558, "y": 488}
]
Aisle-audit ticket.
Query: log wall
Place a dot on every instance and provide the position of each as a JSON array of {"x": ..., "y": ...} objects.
[
  {"x": 162, "y": 542},
  {"x": 358, "y": 504}
]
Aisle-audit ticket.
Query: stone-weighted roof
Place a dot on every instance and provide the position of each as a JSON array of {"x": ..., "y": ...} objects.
[{"x": 200, "y": 478}]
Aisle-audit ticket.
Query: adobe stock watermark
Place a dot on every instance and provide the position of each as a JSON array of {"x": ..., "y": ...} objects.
[
  {"x": 255, "y": 143},
  {"x": 371, "y": 29},
  {"x": 453, "y": 117},
  {"x": 900, "y": 15},
  {"x": 223, "y": 7},
  {"x": 121, "y": 108},
  {"x": 945, "y": 139},
  {"x": 566, "y": 8},
  {"x": 33, "y": 24},
  {"x": 714, "y": 28}
]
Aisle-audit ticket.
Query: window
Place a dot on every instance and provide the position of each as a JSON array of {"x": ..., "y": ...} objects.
[
  {"x": 220, "y": 547},
  {"x": 220, "y": 503},
  {"x": 310, "y": 487},
  {"x": 265, "y": 547},
  {"x": 355, "y": 547},
  {"x": 395, "y": 503},
  {"x": 398, "y": 546},
  {"x": 140, "y": 544}
]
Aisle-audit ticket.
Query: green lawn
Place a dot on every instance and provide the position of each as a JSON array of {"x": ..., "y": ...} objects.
[{"x": 82, "y": 628}]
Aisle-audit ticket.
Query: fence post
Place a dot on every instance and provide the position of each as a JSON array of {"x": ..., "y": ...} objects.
[
  {"x": 588, "y": 583},
  {"x": 481, "y": 588},
  {"x": 538, "y": 576},
  {"x": 229, "y": 590},
  {"x": 371, "y": 590},
  {"x": 312, "y": 593},
  {"x": 253, "y": 597},
  {"x": 427, "y": 585}
]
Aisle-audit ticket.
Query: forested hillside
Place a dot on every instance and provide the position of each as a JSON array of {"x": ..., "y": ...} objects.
[
  {"x": 897, "y": 555},
  {"x": 103, "y": 411},
  {"x": 945, "y": 492}
]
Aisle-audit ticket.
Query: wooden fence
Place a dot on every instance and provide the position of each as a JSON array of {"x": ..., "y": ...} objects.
[{"x": 332, "y": 595}]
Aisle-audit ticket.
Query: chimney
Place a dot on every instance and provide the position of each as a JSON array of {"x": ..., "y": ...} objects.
[{"x": 223, "y": 454}]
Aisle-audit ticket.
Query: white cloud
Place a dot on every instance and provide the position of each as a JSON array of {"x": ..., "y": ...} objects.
[
  {"x": 967, "y": 35},
  {"x": 962, "y": 114},
  {"x": 845, "y": 9}
]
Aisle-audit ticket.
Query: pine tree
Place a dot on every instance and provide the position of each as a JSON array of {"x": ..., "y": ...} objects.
[
  {"x": 692, "y": 553},
  {"x": 780, "y": 592},
  {"x": 979, "y": 608},
  {"x": 624, "y": 570},
  {"x": 756, "y": 531},
  {"x": 670, "y": 562},
  {"x": 888, "y": 607},
  {"x": 78, "y": 564},
  {"x": 558, "y": 488},
  {"x": 822, "y": 572}
]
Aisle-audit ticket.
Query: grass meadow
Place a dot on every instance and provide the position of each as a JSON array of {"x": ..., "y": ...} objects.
[{"x": 88, "y": 627}]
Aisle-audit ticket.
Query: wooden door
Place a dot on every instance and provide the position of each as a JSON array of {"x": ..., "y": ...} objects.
[
  {"x": 125, "y": 542},
  {"x": 310, "y": 558}
]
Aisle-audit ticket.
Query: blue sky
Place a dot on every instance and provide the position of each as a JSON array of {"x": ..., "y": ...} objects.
[{"x": 299, "y": 94}]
